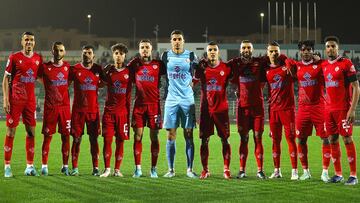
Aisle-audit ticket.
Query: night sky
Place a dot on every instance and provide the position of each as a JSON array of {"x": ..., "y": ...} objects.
[{"x": 227, "y": 17}]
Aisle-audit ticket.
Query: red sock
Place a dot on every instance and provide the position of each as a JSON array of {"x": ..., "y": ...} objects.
[
  {"x": 155, "y": 148},
  {"x": 243, "y": 151},
  {"x": 204, "y": 154},
  {"x": 137, "y": 147},
  {"x": 8, "y": 147},
  {"x": 326, "y": 155},
  {"x": 303, "y": 155},
  {"x": 351, "y": 155},
  {"x": 119, "y": 153},
  {"x": 226, "y": 155},
  {"x": 46, "y": 148},
  {"x": 75, "y": 150},
  {"x": 107, "y": 151},
  {"x": 65, "y": 148},
  {"x": 336, "y": 158},
  {"x": 276, "y": 152},
  {"x": 292, "y": 151},
  {"x": 94, "y": 149},
  {"x": 30, "y": 145},
  {"x": 259, "y": 153}
]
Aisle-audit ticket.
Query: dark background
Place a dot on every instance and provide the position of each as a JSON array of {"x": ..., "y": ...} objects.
[{"x": 112, "y": 18}]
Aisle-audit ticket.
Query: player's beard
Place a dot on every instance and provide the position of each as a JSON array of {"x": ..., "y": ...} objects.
[
  {"x": 146, "y": 58},
  {"x": 246, "y": 57}
]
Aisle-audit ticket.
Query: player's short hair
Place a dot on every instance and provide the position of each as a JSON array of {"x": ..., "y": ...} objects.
[
  {"x": 27, "y": 33},
  {"x": 120, "y": 47},
  {"x": 88, "y": 46},
  {"x": 307, "y": 43},
  {"x": 245, "y": 41},
  {"x": 274, "y": 43},
  {"x": 57, "y": 43},
  {"x": 145, "y": 41},
  {"x": 212, "y": 43},
  {"x": 332, "y": 38},
  {"x": 177, "y": 32}
]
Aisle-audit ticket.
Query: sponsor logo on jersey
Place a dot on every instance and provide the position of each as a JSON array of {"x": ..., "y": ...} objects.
[
  {"x": 88, "y": 86},
  {"x": 117, "y": 88},
  {"x": 145, "y": 76},
  {"x": 60, "y": 81},
  {"x": 278, "y": 83},
  {"x": 307, "y": 82},
  {"x": 212, "y": 86},
  {"x": 28, "y": 79},
  {"x": 330, "y": 82}
]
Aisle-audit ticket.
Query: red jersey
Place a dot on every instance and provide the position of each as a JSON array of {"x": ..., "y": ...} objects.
[
  {"x": 23, "y": 70},
  {"x": 338, "y": 75},
  {"x": 86, "y": 84},
  {"x": 213, "y": 86},
  {"x": 118, "y": 90},
  {"x": 310, "y": 82},
  {"x": 147, "y": 80},
  {"x": 249, "y": 78},
  {"x": 281, "y": 88},
  {"x": 56, "y": 84}
]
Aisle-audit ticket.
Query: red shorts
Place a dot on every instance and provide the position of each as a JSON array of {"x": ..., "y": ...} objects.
[
  {"x": 250, "y": 118},
  {"x": 115, "y": 124},
  {"x": 219, "y": 119},
  {"x": 335, "y": 123},
  {"x": 26, "y": 110},
  {"x": 309, "y": 116},
  {"x": 285, "y": 118},
  {"x": 147, "y": 115},
  {"x": 60, "y": 116},
  {"x": 78, "y": 120}
]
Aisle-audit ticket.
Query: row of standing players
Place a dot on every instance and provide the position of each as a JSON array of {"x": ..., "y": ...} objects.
[{"x": 248, "y": 74}]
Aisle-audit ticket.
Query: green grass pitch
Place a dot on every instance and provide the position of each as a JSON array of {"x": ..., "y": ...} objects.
[{"x": 86, "y": 188}]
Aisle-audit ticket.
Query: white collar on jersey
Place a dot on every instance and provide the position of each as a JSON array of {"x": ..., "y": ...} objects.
[
  {"x": 307, "y": 63},
  {"x": 333, "y": 61}
]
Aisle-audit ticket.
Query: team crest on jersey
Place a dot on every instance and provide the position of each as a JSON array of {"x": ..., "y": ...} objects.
[
  {"x": 299, "y": 67},
  {"x": 37, "y": 62},
  {"x": 187, "y": 60},
  {"x": 20, "y": 61},
  {"x": 66, "y": 68},
  {"x": 222, "y": 73},
  {"x": 10, "y": 120},
  {"x": 49, "y": 69},
  {"x": 79, "y": 74},
  {"x": 283, "y": 68},
  {"x": 314, "y": 66},
  {"x": 97, "y": 74},
  {"x": 155, "y": 67},
  {"x": 337, "y": 69},
  {"x": 352, "y": 68},
  {"x": 126, "y": 76}
]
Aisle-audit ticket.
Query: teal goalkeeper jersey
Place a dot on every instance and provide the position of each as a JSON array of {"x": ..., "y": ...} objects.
[{"x": 179, "y": 76}]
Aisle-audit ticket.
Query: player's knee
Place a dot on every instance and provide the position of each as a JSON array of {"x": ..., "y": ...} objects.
[
  {"x": 326, "y": 141},
  {"x": 171, "y": 134},
  {"x": 205, "y": 141},
  {"x": 224, "y": 141},
  {"x": 334, "y": 139},
  {"x": 258, "y": 135},
  {"x": 77, "y": 139},
  {"x": 244, "y": 138},
  {"x": 10, "y": 132},
  {"x": 302, "y": 141},
  {"x": 347, "y": 139},
  {"x": 137, "y": 137}
]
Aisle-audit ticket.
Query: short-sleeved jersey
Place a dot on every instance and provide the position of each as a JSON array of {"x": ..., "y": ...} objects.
[
  {"x": 310, "y": 82},
  {"x": 147, "y": 80},
  {"x": 23, "y": 70},
  {"x": 338, "y": 75},
  {"x": 249, "y": 78},
  {"x": 118, "y": 90},
  {"x": 179, "y": 76},
  {"x": 56, "y": 84},
  {"x": 86, "y": 84},
  {"x": 213, "y": 86},
  {"x": 281, "y": 88}
]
